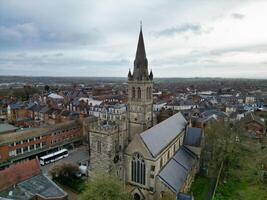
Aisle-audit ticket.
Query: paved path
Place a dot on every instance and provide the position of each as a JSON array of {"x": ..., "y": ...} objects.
[{"x": 75, "y": 156}]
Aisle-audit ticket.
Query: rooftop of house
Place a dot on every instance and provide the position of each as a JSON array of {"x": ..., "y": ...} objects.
[
  {"x": 25, "y": 181},
  {"x": 252, "y": 117},
  {"x": 5, "y": 128},
  {"x": 18, "y": 172},
  {"x": 32, "y": 132},
  {"x": 17, "y": 105}
]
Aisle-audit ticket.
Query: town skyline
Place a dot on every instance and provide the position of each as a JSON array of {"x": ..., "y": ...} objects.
[{"x": 222, "y": 39}]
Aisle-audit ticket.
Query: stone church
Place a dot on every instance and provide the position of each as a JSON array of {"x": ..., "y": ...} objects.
[{"x": 150, "y": 158}]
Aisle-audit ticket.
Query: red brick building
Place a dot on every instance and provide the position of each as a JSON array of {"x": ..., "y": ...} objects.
[
  {"x": 28, "y": 143},
  {"x": 26, "y": 181},
  {"x": 255, "y": 126}
]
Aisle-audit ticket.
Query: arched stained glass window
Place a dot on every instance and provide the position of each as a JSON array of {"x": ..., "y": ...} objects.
[{"x": 138, "y": 169}]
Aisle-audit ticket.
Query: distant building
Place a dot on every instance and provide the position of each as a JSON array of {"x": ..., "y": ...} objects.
[
  {"x": 250, "y": 100},
  {"x": 254, "y": 125}
]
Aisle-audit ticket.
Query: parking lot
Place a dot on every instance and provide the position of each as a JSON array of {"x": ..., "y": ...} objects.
[{"x": 77, "y": 155}]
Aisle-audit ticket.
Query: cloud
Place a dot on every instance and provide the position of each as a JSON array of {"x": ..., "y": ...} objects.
[
  {"x": 19, "y": 32},
  {"x": 32, "y": 35},
  {"x": 237, "y": 16},
  {"x": 98, "y": 38},
  {"x": 184, "y": 28},
  {"x": 256, "y": 48}
]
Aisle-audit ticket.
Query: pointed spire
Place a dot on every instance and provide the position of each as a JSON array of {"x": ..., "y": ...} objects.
[
  {"x": 130, "y": 75},
  {"x": 151, "y": 75},
  {"x": 140, "y": 63},
  {"x": 140, "y": 52}
]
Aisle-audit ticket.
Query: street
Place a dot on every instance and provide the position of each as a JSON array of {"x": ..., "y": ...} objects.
[{"x": 77, "y": 155}]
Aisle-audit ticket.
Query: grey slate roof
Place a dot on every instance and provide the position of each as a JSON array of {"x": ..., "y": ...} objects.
[
  {"x": 43, "y": 186},
  {"x": 17, "y": 105},
  {"x": 44, "y": 109},
  {"x": 7, "y": 128},
  {"x": 209, "y": 113},
  {"x": 160, "y": 135},
  {"x": 193, "y": 136},
  {"x": 182, "y": 196},
  {"x": 175, "y": 172},
  {"x": 38, "y": 185}
]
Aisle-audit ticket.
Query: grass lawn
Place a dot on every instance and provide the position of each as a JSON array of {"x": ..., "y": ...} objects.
[
  {"x": 244, "y": 181},
  {"x": 200, "y": 187}
]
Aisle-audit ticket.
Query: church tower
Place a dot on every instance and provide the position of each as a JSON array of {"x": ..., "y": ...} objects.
[{"x": 140, "y": 100}]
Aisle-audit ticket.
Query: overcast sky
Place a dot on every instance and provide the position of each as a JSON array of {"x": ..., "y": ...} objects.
[{"x": 183, "y": 38}]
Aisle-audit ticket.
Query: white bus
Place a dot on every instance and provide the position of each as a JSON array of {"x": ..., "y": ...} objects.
[{"x": 52, "y": 157}]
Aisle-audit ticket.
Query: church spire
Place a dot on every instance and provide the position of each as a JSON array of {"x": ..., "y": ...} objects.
[{"x": 140, "y": 63}]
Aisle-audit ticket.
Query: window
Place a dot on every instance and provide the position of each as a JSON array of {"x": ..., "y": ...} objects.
[
  {"x": 139, "y": 93},
  {"x": 25, "y": 149},
  {"x": 161, "y": 162},
  {"x": 32, "y": 147},
  {"x": 152, "y": 168},
  {"x": 17, "y": 143},
  {"x": 31, "y": 139},
  {"x": 37, "y": 138},
  {"x": 25, "y": 141},
  {"x": 133, "y": 92},
  {"x": 168, "y": 155},
  {"x": 98, "y": 146},
  {"x": 18, "y": 151},
  {"x": 138, "y": 169},
  {"x": 37, "y": 145}
]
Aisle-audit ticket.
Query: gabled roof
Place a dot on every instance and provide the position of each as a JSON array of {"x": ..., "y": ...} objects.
[
  {"x": 175, "y": 172},
  {"x": 17, "y": 105},
  {"x": 18, "y": 172},
  {"x": 4, "y": 128},
  {"x": 44, "y": 109},
  {"x": 31, "y": 105},
  {"x": 210, "y": 113},
  {"x": 252, "y": 117},
  {"x": 160, "y": 135},
  {"x": 42, "y": 186},
  {"x": 193, "y": 136}
]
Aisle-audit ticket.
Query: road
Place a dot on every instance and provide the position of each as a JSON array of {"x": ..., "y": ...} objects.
[{"x": 77, "y": 155}]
